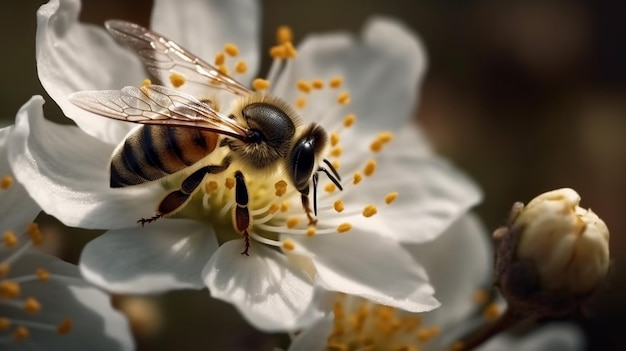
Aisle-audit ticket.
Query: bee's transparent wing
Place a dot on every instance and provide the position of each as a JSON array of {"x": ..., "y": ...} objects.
[
  {"x": 157, "y": 105},
  {"x": 163, "y": 57}
]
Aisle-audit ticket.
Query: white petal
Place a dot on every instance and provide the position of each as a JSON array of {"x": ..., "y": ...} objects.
[
  {"x": 555, "y": 337},
  {"x": 266, "y": 290},
  {"x": 95, "y": 324},
  {"x": 382, "y": 74},
  {"x": 367, "y": 265},
  {"x": 459, "y": 262},
  {"x": 169, "y": 254},
  {"x": 66, "y": 172},
  {"x": 72, "y": 57},
  {"x": 17, "y": 209},
  {"x": 315, "y": 337},
  {"x": 203, "y": 27}
]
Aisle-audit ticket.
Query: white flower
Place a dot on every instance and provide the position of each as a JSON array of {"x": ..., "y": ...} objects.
[
  {"x": 460, "y": 264},
  {"x": 66, "y": 169},
  {"x": 44, "y": 302}
]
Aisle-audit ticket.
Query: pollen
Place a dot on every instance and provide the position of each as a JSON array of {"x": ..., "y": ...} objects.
[
  {"x": 344, "y": 227},
  {"x": 278, "y": 52},
  {"x": 385, "y": 137},
  {"x": 210, "y": 187},
  {"x": 310, "y": 231},
  {"x": 370, "y": 168},
  {"x": 336, "y": 151},
  {"x": 335, "y": 82},
  {"x": 284, "y": 34},
  {"x": 6, "y": 182},
  {"x": 5, "y": 268},
  {"x": 231, "y": 49},
  {"x": 146, "y": 82},
  {"x": 65, "y": 326},
  {"x": 480, "y": 296},
  {"x": 9, "y": 238},
  {"x": 369, "y": 211},
  {"x": 260, "y": 84},
  {"x": 303, "y": 86},
  {"x": 5, "y": 323},
  {"x": 34, "y": 233},
  {"x": 284, "y": 207},
  {"x": 334, "y": 139},
  {"x": 317, "y": 84},
  {"x": 330, "y": 188},
  {"x": 220, "y": 59},
  {"x": 42, "y": 274},
  {"x": 339, "y": 206},
  {"x": 31, "y": 305},
  {"x": 492, "y": 311},
  {"x": 349, "y": 120},
  {"x": 301, "y": 102},
  {"x": 241, "y": 66},
  {"x": 273, "y": 208},
  {"x": 336, "y": 164},
  {"x": 9, "y": 289},
  {"x": 280, "y": 187},
  {"x": 391, "y": 197},
  {"x": 343, "y": 98},
  {"x": 290, "y": 51},
  {"x": 288, "y": 245},
  {"x": 229, "y": 183},
  {"x": 20, "y": 333},
  {"x": 376, "y": 145},
  {"x": 177, "y": 79},
  {"x": 357, "y": 178},
  {"x": 428, "y": 333},
  {"x": 292, "y": 222}
]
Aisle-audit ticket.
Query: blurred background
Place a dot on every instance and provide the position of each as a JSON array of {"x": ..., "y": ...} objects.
[{"x": 526, "y": 96}]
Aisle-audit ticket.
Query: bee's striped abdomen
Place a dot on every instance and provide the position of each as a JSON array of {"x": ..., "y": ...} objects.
[{"x": 153, "y": 152}]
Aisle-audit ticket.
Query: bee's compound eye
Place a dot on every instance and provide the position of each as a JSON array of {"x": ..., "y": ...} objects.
[{"x": 303, "y": 157}]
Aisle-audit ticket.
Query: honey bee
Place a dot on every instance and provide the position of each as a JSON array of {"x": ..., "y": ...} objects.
[{"x": 261, "y": 134}]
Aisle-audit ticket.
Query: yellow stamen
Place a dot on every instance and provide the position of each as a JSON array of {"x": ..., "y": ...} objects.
[
  {"x": 31, "y": 305},
  {"x": 457, "y": 346},
  {"x": 223, "y": 69},
  {"x": 343, "y": 98},
  {"x": 284, "y": 34},
  {"x": 284, "y": 207},
  {"x": 210, "y": 187},
  {"x": 339, "y": 206},
  {"x": 317, "y": 83},
  {"x": 5, "y": 323},
  {"x": 9, "y": 289},
  {"x": 336, "y": 164},
  {"x": 146, "y": 82},
  {"x": 220, "y": 59},
  {"x": 241, "y": 67},
  {"x": 34, "y": 233},
  {"x": 260, "y": 84},
  {"x": 229, "y": 183},
  {"x": 428, "y": 333},
  {"x": 4, "y": 269},
  {"x": 376, "y": 145},
  {"x": 300, "y": 102},
  {"x": 349, "y": 120},
  {"x": 335, "y": 82},
  {"x": 280, "y": 187},
  {"x": 20, "y": 333},
  {"x": 231, "y": 49},
  {"x": 9, "y": 238},
  {"x": 357, "y": 178},
  {"x": 330, "y": 188},
  {"x": 292, "y": 222},
  {"x": 385, "y": 137},
  {"x": 288, "y": 245},
  {"x": 337, "y": 346},
  {"x": 290, "y": 50},
  {"x": 336, "y": 151},
  {"x": 389, "y": 198},
  {"x": 344, "y": 227},
  {"x": 42, "y": 274},
  {"x": 278, "y": 52},
  {"x": 303, "y": 86},
  {"x": 370, "y": 168},
  {"x": 273, "y": 208},
  {"x": 334, "y": 139},
  {"x": 6, "y": 182},
  {"x": 480, "y": 296},
  {"x": 492, "y": 311},
  {"x": 370, "y": 210},
  {"x": 310, "y": 231},
  {"x": 65, "y": 326},
  {"x": 177, "y": 79}
]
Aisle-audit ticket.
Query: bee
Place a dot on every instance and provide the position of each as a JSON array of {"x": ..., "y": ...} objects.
[{"x": 260, "y": 135}]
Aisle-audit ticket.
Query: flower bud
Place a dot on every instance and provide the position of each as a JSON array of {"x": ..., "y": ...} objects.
[{"x": 552, "y": 254}]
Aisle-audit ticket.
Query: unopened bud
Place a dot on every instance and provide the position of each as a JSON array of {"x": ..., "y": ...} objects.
[{"x": 551, "y": 255}]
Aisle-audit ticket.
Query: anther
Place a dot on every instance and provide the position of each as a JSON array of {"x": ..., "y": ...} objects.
[
  {"x": 334, "y": 139},
  {"x": 457, "y": 346},
  {"x": 349, "y": 120},
  {"x": 343, "y": 98},
  {"x": 223, "y": 69},
  {"x": 376, "y": 145},
  {"x": 42, "y": 274},
  {"x": 284, "y": 34},
  {"x": 5, "y": 323},
  {"x": 4, "y": 269},
  {"x": 241, "y": 67},
  {"x": 335, "y": 82},
  {"x": 357, "y": 178},
  {"x": 20, "y": 333},
  {"x": 292, "y": 222},
  {"x": 300, "y": 102},
  {"x": 31, "y": 305},
  {"x": 344, "y": 227},
  {"x": 385, "y": 137},
  {"x": 336, "y": 164},
  {"x": 9, "y": 238},
  {"x": 6, "y": 182},
  {"x": 369, "y": 211},
  {"x": 370, "y": 168},
  {"x": 492, "y": 311},
  {"x": 146, "y": 82},
  {"x": 428, "y": 333},
  {"x": 231, "y": 49},
  {"x": 65, "y": 326},
  {"x": 480, "y": 297},
  {"x": 260, "y": 84},
  {"x": 177, "y": 79},
  {"x": 310, "y": 231},
  {"x": 336, "y": 151},
  {"x": 220, "y": 59},
  {"x": 317, "y": 83},
  {"x": 288, "y": 245},
  {"x": 339, "y": 206},
  {"x": 9, "y": 289},
  {"x": 330, "y": 188},
  {"x": 303, "y": 86},
  {"x": 284, "y": 207},
  {"x": 229, "y": 183},
  {"x": 391, "y": 197},
  {"x": 278, "y": 52},
  {"x": 290, "y": 50},
  {"x": 273, "y": 208},
  {"x": 34, "y": 233},
  {"x": 280, "y": 187},
  {"x": 210, "y": 187}
]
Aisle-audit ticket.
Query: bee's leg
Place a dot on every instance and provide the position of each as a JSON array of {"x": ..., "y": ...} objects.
[
  {"x": 177, "y": 198},
  {"x": 304, "y": 195},
  {"x": 241, "y": 214}
]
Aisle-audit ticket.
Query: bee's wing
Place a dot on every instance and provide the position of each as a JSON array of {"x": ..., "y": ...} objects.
[
  {"x": 163, "y": 57},
  {"x": 157, "y": 105}
]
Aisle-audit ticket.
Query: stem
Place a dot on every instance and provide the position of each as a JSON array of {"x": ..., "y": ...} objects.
[{"x": 504, "y": 322}]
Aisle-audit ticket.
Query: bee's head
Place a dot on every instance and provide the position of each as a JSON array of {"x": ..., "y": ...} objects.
[{"x": 306, "y": 151}]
